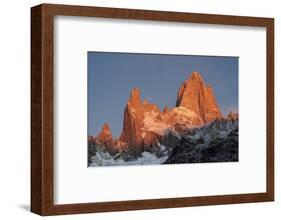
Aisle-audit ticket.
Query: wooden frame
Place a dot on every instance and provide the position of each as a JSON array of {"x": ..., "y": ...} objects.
[{"x": 42, "y": 109}]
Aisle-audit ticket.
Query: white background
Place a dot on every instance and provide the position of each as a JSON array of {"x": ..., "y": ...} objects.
[
  {"x": 15, "y": 110},
  {"x": 74, "y": 183}
]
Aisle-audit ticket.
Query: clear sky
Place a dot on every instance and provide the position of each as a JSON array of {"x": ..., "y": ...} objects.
[{"x": 111, "y": 77}]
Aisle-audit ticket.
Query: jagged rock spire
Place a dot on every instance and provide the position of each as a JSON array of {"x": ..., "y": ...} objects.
[
  {"x": 135, "y": 96},
  {"x": 105, "y": 136},
  {"x": 195, "y": 96}
]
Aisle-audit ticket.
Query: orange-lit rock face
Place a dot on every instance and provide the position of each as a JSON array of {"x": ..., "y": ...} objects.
[
  {"x": 136, "y": 131},
  {"x": 105, "y": 136},
  {"x": 195, "y": 96}
]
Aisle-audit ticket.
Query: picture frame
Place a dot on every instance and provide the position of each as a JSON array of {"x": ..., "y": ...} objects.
[{"x": 42, "y": 109}]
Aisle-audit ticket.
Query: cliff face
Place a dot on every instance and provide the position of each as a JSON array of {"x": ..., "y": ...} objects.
[
  {"x": 138, "y": 116},
  {"x": 144, "y": 125},
  {"x": 195, "y": 96}
]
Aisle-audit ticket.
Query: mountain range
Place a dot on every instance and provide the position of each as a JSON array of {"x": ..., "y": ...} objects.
[{"x": 164, "y": 133}]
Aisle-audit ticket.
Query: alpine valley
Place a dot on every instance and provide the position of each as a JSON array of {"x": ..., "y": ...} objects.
[{"x": 194, "y": 131}]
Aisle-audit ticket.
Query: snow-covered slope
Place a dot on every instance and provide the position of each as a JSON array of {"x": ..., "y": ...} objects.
[
  {"x": 146, "y": 158},
  {"x": 214, "y": 142}
]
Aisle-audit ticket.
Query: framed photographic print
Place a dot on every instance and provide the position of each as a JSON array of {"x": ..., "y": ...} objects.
[{"x": 138, "y": 109}]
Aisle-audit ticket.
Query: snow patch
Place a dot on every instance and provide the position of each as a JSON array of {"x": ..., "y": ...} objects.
[
  {"x": 186, "y": 112},
  {"x": 147, "y": 158},
  {"x": 154, "y": 124}
]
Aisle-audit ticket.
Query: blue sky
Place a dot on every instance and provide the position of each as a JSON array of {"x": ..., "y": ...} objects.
[{"x": 112, "y": 76}]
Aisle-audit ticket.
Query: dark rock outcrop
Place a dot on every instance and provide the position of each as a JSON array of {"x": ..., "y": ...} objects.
[{"x": 216, "y": 142}]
